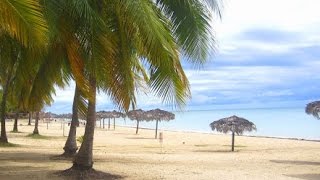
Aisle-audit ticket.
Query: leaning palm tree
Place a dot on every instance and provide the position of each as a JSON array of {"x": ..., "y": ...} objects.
[
  {"x": 159, "y": 115},
  {"x": 233, "y": 124},
  {"x": 79, "y": 107},
  {"x": 313, "y": 108},
  {"x": 113, "y": 40},
  {"x": 21, "y": 24}
]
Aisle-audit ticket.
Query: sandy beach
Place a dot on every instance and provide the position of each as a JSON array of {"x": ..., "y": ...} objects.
[{"x": 183, "y": 155}]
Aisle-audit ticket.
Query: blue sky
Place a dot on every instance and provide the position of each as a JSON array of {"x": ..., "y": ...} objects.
[{"x": 267, "y": 56}]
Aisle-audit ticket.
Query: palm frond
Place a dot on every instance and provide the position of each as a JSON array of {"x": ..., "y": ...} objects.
[{"x": 23, "y": 19}]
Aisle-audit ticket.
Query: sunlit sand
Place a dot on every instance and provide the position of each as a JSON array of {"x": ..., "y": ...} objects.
[{"x": 182, "y": 155}]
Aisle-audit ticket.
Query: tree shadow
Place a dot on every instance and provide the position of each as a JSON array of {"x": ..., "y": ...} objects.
[
  {"x": 296, "y": 162},
  {"x": 76, "y": 174},
  {"x": 215, "y": 151},
  {"x": 28, "y": 157},
  {"x": 140, "y": 138},
  {"x": 31, "y": 165},
  {"x": 305, "y": 176}
]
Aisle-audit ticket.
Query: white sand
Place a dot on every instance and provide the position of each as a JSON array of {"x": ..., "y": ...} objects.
[{"x": 183, "y": 155}]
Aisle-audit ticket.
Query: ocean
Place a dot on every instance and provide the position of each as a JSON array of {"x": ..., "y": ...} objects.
[{"x": 272, "y": 122}]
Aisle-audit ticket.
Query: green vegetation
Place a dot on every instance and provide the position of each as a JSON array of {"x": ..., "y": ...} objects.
[
  {"x": 8, "y": 145},
  {"x": 110, "y": 46},
  {"x": 80, "y": 139},
  {"x": 38, "y": 136}
]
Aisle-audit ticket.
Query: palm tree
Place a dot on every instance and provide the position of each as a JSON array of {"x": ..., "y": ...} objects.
[
  {"x": 21, "y": 24},
  {"x": 143, "y": 31},
  {"x": 106, "y": 43},
  {"x": 79, "y": 107}
]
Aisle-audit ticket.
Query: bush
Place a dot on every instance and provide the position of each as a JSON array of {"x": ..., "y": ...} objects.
[{"x": 80, "y": 139}]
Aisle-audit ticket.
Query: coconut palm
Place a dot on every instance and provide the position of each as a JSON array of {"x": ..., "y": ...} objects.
[
  {"x": 21, "y": 24},
  {"x": 233, "y": 124},
  {"x": 70, "y": 147},
  {"x": 313, "y": 108},
  {"x": 107, "y": 42}
]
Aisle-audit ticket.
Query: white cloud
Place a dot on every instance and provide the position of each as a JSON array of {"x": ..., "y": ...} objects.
[{"x": 297, "y": 16}]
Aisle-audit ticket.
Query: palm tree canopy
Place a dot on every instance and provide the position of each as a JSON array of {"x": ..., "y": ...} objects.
[
  {"x": 160, "y": 115},
  {"x": 24, "y": 20},
  {"x": 233, "y": 124},
  {"x": 313, "y": 108}
]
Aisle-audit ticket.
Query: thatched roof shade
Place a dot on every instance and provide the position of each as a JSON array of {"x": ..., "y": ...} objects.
[
  {"x": 233, "y": 124},
  {"x": 160, "y": 115},
  {"x": 138, "y": 114},
  {"x": 117, "y": 114},
  {"x": 109, "y": 114},
  {"x": 313, "y": 108}
]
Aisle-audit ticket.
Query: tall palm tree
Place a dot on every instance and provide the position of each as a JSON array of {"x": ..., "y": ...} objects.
[
  {"x": 109, "y": 43},
  {"x": 149, "y": 32},
  {"x": 21, "y": 24},
  {"x": 79, "y": 107}
]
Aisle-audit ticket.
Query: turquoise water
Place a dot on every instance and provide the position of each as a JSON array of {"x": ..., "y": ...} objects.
[{"x": 283, "y": 122}]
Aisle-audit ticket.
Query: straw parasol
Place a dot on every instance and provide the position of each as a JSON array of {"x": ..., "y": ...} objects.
[
  {"x": 313, "y": 108},
  {"x": 103, "y": 115},
  {"x": 233, "y": 124},
  {"x": 159, "y": 115},
  {"x": 116, "y": 114},
  {"x": 137, "y": 115}
]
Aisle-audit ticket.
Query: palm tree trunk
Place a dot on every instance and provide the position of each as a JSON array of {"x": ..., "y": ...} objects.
[
  {"x": 156, "y": 136},
  {"x": 103, "y": 123},
  {"x": 109, "y": 124},
  {"x": 3, "y": 137},
  {"x": 30, "y": 116},
  {"x": 137, "y": 129},
  {"x": 83, "y": 160},
  {"x": 15, "y": 125},
  {"x": 114, "y": 123},
  {"x": 232, "y": 145},
  {"x": 70, "y": 147},
  {"x": 36, "y": 131}
]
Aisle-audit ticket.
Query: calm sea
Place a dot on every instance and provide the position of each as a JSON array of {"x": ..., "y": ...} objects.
[{"x": 280, "y": 122}]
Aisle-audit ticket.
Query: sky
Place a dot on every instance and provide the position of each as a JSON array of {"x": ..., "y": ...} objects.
[{"x": 267, "y": 56}]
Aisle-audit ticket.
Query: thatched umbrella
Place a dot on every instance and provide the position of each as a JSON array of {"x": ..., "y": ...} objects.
[
  {"x": 159, "y": 115},
  {"x": 313, "y": 108},
  {"x": 115, "y": 115},
  {"x": 103, "y": 115},
  {"x": 137, "y": 115},
  {"x": 233, "y": 124}
]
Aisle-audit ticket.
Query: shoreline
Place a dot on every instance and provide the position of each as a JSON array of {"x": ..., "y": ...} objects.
[{"x": 215, "y": 133}]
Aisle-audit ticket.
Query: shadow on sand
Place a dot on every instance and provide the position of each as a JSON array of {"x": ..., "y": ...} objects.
[
  {"x": 296, "y": 162},
  {"x": 305, "y": 176},
  {"x": 140, "y": 138},
  {"x": 87, "y": 174},
  {"x": 31, "y": 165},
  {"x": 215, "y": 151}
]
